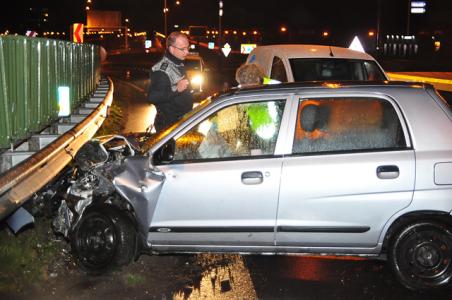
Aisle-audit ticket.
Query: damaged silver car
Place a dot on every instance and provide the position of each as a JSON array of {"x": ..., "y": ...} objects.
[{"x": 321, "y": 168}]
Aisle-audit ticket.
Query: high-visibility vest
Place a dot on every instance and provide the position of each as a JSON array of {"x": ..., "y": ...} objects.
[{"x": 268, "y": 80}]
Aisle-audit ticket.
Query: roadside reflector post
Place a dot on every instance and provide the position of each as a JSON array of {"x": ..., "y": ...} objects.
[{"x": 64, "y": 101}]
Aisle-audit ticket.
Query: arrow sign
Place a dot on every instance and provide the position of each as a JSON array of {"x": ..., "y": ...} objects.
[
  {"x": 77, "y": 32},
  {"x": 226, "y": 49}
]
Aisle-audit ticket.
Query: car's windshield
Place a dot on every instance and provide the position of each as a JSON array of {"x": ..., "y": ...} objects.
[
  {"x": 192, "y": 64},
  {"x": 336, "y": 69},
  {"x": 165, "y": 131}
]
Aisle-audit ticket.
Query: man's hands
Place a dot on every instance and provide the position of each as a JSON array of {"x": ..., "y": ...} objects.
[{"x": 182, "y": 85}]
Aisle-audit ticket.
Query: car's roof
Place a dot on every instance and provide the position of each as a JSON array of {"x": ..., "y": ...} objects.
[
  {"x": 313, "y": 51},
  {"x": 295, "y": 86},
  {"x": 193, "y": 56}
]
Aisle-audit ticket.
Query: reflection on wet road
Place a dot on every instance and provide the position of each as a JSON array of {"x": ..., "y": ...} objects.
[
  {"x": 130, "y": 89},
  {"x": 294, "y": 277},
  {"x": 222, "y": 277}
]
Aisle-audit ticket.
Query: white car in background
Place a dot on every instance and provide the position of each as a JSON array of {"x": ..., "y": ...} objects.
[
  {"x": 195, "y": 67},
  {"x": 289, "y": 63}
]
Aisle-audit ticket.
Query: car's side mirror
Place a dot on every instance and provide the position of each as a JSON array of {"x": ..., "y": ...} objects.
[{"x": 164, "y": 154}]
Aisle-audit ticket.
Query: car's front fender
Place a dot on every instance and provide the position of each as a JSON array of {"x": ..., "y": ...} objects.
[{"x": 140, "y": 185}]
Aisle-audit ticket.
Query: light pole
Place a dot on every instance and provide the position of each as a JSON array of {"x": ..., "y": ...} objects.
[
  {"x": 220, "y": 14},
  {"x": 377, "y": 43},
  {"x": 165, "y": 13},
  {"x": 408, "y": 18}
]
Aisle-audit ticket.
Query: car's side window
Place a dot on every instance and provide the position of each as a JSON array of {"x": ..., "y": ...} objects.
[
  {"x": 278, "y": 71},
  {"x": 239, "y": 130},
  {"x": 373, "y": 73},
  {"x": 347, "y": 124}
]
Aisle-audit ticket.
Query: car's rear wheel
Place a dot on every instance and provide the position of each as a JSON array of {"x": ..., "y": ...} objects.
[
  {"x": 420, "y": 255},
  {"x": 104, "y": 238}
]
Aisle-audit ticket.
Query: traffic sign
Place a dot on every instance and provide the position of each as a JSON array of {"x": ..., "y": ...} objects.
[
  {"x": 356, "y": 45},
  {"x": 247, "y": 48},
  {"x": 77, "y": 32},
  {"x": 418, "y": 7},
  {"x": 226, "y": 49},
  {"x": 31, "y": 33}
]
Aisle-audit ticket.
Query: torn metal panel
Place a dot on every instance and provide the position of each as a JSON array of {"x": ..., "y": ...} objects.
[
  {"x": 97, "y": 164},
  {"x": 62, "y": 222}
]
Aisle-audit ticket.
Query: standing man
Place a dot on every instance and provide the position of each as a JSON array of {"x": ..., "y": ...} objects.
[{"x": 168, "y": 89}]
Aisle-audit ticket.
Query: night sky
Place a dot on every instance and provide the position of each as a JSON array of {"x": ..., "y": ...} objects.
[{"x": 146, "y": 15}]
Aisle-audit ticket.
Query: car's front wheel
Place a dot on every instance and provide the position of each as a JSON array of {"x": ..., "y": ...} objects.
[
  {"x": 420, "y": 255},
  {"x": 104, "y": 238}
]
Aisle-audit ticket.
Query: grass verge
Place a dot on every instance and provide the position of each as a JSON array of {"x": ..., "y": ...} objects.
[{"x": 24, "y": 258}]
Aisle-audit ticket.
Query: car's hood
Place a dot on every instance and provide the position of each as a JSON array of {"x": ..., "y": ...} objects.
[{"x": 135, "y": 140}]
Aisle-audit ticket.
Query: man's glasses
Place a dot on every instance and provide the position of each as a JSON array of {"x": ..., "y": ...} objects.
[{"x": 182, "y": 49}]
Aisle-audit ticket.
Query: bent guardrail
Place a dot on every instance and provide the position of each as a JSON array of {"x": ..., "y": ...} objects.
[{"x": 28, "y": 177}]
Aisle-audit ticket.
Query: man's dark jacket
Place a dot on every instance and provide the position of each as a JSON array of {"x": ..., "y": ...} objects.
[{"x": 170, "y": 104}]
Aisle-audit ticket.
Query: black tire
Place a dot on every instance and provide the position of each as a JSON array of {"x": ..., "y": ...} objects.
[
  {"x": 420, "y": 255},
  {"x": 103, "y": 239}
]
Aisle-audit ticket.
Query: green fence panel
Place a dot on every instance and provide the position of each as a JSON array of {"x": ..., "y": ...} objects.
[
  {"x": 5, "y": 117},
  {"x": 19, "y": 84},
  {"x": 35, "y": 103},
  {"x": 31, "y": 70},
  {"x": 52, "y": 81},
  {"x": 79, "y": 68}
]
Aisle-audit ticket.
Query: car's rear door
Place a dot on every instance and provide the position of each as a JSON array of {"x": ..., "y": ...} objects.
[
  {"x": 352, "y": 168},
  {"x": 222, "y": 187}
]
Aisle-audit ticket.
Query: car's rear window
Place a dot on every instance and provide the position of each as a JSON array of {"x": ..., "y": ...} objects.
[{"x": 335, "y": 69}]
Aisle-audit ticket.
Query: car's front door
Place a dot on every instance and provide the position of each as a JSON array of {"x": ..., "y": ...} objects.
[
  {"x": 222, "y": 187},
  {"x": 352, "y": 168}
]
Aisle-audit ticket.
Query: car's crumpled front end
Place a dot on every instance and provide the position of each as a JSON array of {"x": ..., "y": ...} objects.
[{"x": 104, "y": 173}]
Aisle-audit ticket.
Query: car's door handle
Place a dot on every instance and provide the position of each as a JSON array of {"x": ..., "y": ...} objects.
[
  {"x": 388, "y": 172},
  {"x": 252, "y": 177}
]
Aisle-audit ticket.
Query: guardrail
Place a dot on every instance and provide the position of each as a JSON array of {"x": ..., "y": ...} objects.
[
  {"x": 441, "y": 84},
  {"x": 25, "y": 179},
  {"x": 31, "y": 70}
]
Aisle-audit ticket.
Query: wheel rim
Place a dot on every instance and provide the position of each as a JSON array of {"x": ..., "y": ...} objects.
[
  {"x": 96, "y": 241},
  {"x": 426, "y": 257}
]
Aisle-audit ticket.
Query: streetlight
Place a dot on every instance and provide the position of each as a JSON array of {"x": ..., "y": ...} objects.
[
  {"x": 220, "y": 14},
  {"x": 165, "y": 13},
  {"x": 377, "y": 42}
]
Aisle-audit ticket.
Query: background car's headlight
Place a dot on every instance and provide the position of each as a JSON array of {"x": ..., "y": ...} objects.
[{"x": 197, "y": 80}]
